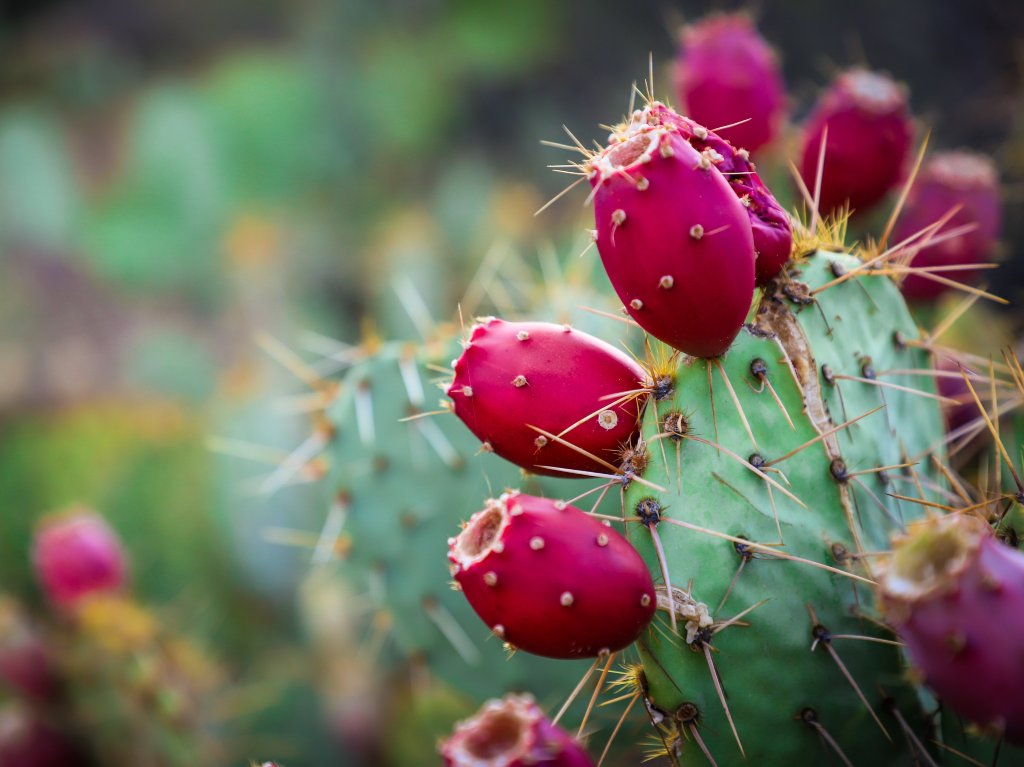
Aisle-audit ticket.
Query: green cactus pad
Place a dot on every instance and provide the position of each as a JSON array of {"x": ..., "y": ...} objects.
[{"x": 771, "y": 677}]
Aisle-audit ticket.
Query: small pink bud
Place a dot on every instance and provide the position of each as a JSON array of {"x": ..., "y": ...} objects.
[{"x": 77, "y": 554}]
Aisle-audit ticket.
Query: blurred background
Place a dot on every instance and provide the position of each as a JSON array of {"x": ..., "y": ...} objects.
[{"x": 183, "y": 183}]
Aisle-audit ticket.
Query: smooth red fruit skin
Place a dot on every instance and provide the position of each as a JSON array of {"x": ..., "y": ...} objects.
[
  {"x": 514, "y": 375},
  {"x": 674, "y": 238},
  {"x": 949, "y": 179},
  {"x": 769, "y": 224},
  {"x": 967, "y": 634},
  {"x": 870, "y": 134},
  {"x": 76, "y": 555},
  {"x": 726, "y": 72},
  {"x": 582, "y": 591},
  {"x": 512, "y": 732}
]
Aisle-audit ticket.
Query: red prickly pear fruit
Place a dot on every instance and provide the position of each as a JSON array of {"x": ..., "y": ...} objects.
[
  {"x": 769, "y": 224},
  {"x": 870, "y": 134},
  {"x": 726, "y": 72},
  {"x": 673, "y": 236},
  {"x": 550, "y": 579},
  {"x": 28, "y": 741},
  {"x": 955, "y": 596},
  {"x": 77, "y": 555},
  {"x": 512, "y": 732},
  {"x": 947, "y": 180},
  {"x": 516, "y": 375},
  {"x": 26, "y": 667}
]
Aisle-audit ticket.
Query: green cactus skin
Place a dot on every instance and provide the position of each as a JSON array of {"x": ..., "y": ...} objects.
[
  {"x": 767, "y": 667},
  {"x": 400, "y": 489}
]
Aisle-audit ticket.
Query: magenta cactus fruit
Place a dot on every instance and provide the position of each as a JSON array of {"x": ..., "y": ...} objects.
[
  {"x": 26, "y": 667},
  {"x": 514, "y": 378},
  {"x": 674, "y": 237},
  {"x": 769, "y": 224},
  {"x": 26, "y": 740},
  {"x": 955, "y": 595},
  {"x": 947, "y": 180},
  {"x": 726, "y": 72},
  {"x": 512, "y": 732},
  {"x": 76, "y": 555},
  {"x": 550, "y": 579},
  {"x": 870, "y": 134}
]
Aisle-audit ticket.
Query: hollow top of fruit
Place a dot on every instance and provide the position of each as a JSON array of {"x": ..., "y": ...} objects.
[
  {"x": 499, "y": 734},
  {"x": 629, "y": 146},
  {"x": 962, "y": 169},
  {"x": 931, "y": 557},
  {"x": 483, "y": 531},
  {"x": 871, "y": 91}
]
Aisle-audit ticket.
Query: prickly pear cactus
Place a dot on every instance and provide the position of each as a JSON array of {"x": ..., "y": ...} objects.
[
  {"x": 788, "y": 448},
  {"x": 399, "y": 488}
]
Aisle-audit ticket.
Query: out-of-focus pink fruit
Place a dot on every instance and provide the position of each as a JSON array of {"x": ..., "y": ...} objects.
[
  {"x": 955, "y": 595},
  {"x": 25, "y": 664},
  {"x": 726, "y": 72},
  {"x": 948, "y": 180},
  {"x": 870, "y": 134},
  {"x": 28, "y": 741},
  {"x": 77, "y": 554},
  {"x": 512, "y": 732}
]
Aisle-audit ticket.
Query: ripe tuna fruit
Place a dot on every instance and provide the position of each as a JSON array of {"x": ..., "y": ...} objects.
[
  {"x": 674, "y": 237},
  {"x": 947, "y": 180},
  {"x": 77, "y": 555},
  {"x": 726, "y": 72},
  {"x": 769, "y": 224},
  {"x": 513, "y": 376},
  {"x": 870, "y": 134},
  {"x": 955, "y": 595},
  {"x": 512, "y": 732},
  {"x": 550, "y": 579}
]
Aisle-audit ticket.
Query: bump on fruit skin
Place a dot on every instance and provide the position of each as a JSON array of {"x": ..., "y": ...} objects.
[
  {"x": 512, "y": 732},
  {"x": 76, "y": 555},
  {"x": 726, "y": 72},
  {"x": 514, "y": 375},
  {"x": 949, "y": 179},
  {"x": 955, "y": 595},
  {"x": 870, "y": 134},
  {"x": 550, "y": 579},
  {"x": 684, "y": 222}
]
